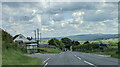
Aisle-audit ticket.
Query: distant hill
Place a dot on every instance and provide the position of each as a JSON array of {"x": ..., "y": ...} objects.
[{"x": 90, "y": 37}]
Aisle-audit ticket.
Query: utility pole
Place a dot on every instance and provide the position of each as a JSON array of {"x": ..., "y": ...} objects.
[
  {"x": 40, "y": 37},
  {"x": 38, "y": 34},
  {"x": 35, "y": 34}
]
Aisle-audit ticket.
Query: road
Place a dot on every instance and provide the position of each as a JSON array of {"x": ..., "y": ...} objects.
[{"x": 76, "y": 59}]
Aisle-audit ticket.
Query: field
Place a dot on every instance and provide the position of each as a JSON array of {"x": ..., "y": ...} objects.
[
  {"x": 108, "y": 41},
  {"x": 45, "y": 40}
]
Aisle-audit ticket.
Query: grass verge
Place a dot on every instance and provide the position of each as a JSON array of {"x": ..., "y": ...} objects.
[{"x": 16, "y": 57}]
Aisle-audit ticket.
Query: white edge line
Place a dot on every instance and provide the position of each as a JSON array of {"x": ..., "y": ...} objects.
[
  {"x": 45, "y": 64},
  {"x": 89, "y": 63},
  {"x": 46, "y": 60},
  {"x": 104, "y": 55}
]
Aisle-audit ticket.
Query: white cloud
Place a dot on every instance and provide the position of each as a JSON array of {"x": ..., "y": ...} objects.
[
  {"x": 52, "y": 22},
  {"x": 81, "y": 22},
  {"x": 58, "y": 19},
  {"x": 98, "y": 11},
  {"x": 62, "y": 24},
  {"x": 34, "y": 11},
  {"x": 78, "y": 14},
  {"x": 56, "y": 14},
  {"x": 44, "y": 29},
  {"x": 102, "y": 23}
]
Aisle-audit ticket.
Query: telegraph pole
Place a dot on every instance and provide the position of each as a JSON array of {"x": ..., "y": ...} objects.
[
  {"x": 38, "y": 35},
  {"x": 35, "y": 34}
]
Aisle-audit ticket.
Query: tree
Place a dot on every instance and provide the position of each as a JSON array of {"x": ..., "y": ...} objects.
[
  {"x": 77, "y": 43},
  {"x": 67, "y": 42},
  {"x": 56, "y": 43},
  {"x": 73, "y": 42},
  {"x": 52, "y": 42},
  {"x": 59, "y": 43},
  {"x": 87, "y": 42}
]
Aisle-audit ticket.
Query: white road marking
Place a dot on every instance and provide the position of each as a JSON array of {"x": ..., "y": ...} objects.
[
  {"x": 104, "y": 55},
  {"x": 45, "y": 64},
  {"x": 79, "y": 58},
  {"x": 89, "y": 63},
  {"x": 46, "y": 60}
]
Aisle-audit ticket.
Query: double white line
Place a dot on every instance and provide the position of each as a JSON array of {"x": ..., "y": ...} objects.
[
  {"x": 45, "y": 64},
  {"x": 46, "y": 61}
]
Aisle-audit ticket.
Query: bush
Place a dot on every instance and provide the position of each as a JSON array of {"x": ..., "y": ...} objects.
[{"x": 87, "y": 46}]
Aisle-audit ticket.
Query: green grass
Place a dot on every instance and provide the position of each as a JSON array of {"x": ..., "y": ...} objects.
[
  {"x": 108, "y": 41},
  {"x": 49, "y": 50},
  {"x": 111, "y": 50},
  {"x": 45, "y": 40},
  {"x": 108, "y": 51},
  {"x": 16, "y": 57},
  {"x": 0, "y": 58}
]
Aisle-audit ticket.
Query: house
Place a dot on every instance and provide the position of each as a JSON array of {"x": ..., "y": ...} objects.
[
  {"x": 103, "y": 46},
  {"x": 31, "y": 48},
  {"x": 21, "y": 40},
  {"x": 30, "y": 45}
]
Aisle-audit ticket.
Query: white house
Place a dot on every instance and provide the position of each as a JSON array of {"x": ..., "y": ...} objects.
[
  {"x": 31, "y": 45},
  {"x": 21, "y": 40}
]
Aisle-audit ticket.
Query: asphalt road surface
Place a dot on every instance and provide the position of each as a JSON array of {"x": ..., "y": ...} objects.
[{"x": 76, "y": 59}]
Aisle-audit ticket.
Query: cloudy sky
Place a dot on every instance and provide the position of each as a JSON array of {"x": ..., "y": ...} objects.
[{"x": 56, "y": 19}]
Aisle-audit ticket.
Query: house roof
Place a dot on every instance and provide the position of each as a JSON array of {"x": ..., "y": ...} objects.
[
  {"x": 16, "y": 36},
  {"x": 24, "y": 39}
]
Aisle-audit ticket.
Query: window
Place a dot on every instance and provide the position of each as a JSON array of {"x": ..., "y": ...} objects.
[{"x": 20, "y": 37}]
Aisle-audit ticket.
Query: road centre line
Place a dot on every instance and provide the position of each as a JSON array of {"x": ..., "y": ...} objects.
[
  {"x": 79, "y": 58},
  {"x": 75, "y": 56},
  {"x": 46, "y": 60}
]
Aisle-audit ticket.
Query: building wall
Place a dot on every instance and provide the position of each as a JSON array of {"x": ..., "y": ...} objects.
[{"x": 31, "y": 48}]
